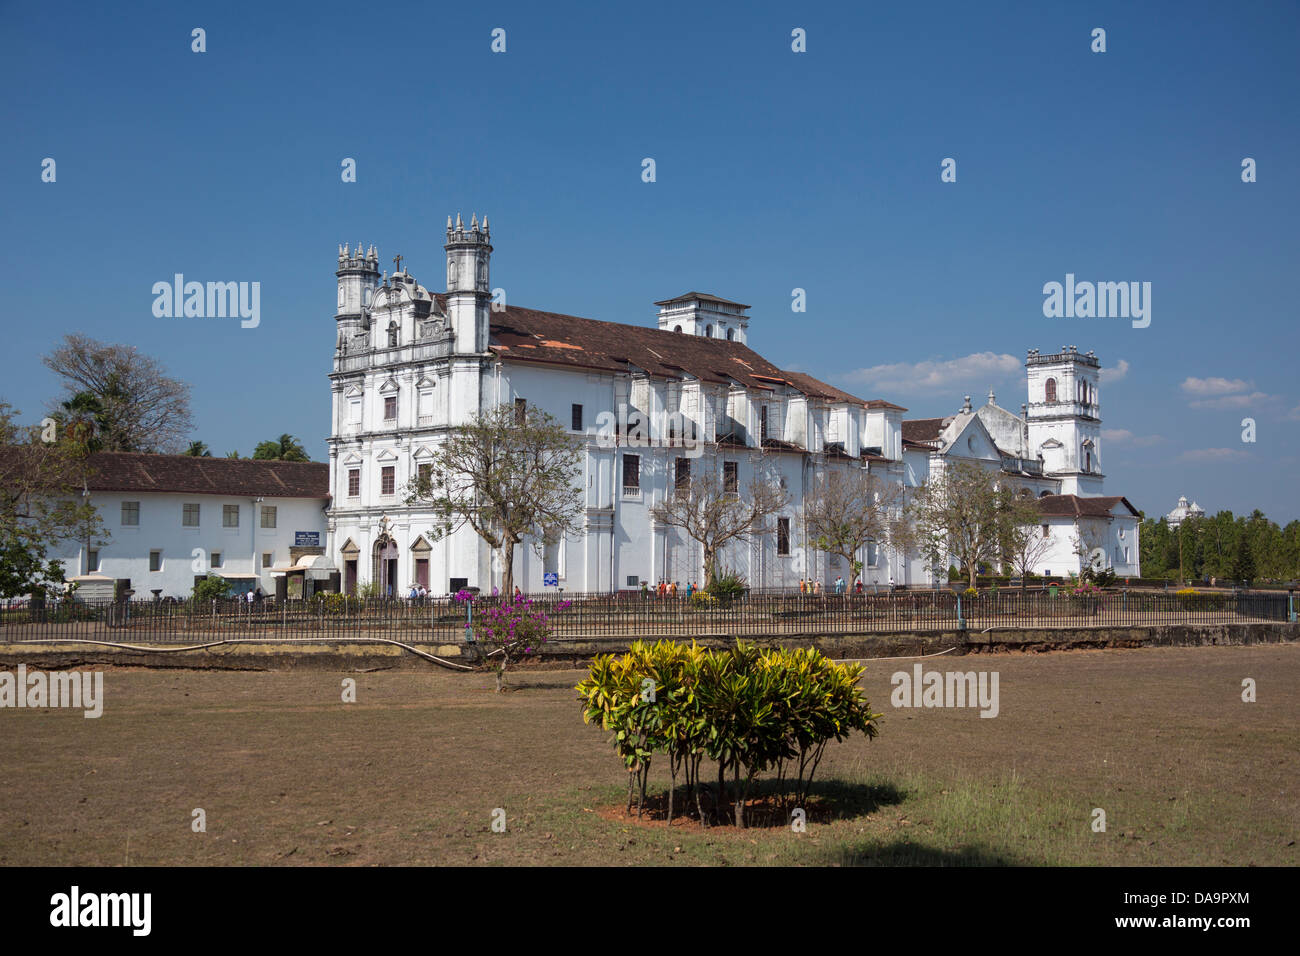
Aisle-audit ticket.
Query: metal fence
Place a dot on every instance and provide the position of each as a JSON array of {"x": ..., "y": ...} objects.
[{"x": 631, "y": 615}]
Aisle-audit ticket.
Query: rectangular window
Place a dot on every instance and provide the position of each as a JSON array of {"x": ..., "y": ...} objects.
[
  {"x": 155, "y": 560},
  {"x": 631, "y": 473},
  {"x": 731, "y": 477},
  {"x": 425, "y": 471},
  {"x": 682, "y": 474},
  {"x": 268, "y": 516},
  {"x": 216, "y": 559},
  {"x": 782, "y": 535},
  {"x": 354, "y": 411},
  {"x": 390, "y": 407},
  {"x": 521, "y": 411},
  {"x": 190, "y": 515},
  {"x": 633, "y": 580},
  {"x": 266, "y": 558},
  {"x": 388, "y": 479},
  {"x": 354, "y": 482},
  {"x": 873, "y": 555},
  {"x": 92, "y": 560},
  {"x": 762, "y": 423},
  {"x": 577, "y": 418},
  {"x": 230, "y": 516},
  {"x": 130, "y": 513},
  {"x": 1045, "y": 530}
]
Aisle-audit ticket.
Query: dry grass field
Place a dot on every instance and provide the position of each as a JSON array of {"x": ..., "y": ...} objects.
[{"x": 411, "y": 774}]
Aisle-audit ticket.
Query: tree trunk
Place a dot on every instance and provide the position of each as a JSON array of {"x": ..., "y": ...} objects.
[
  {"x": 974, "y": 570},
  {"x": 507, "y": 552},
  {"x": 710, "y": 560}
]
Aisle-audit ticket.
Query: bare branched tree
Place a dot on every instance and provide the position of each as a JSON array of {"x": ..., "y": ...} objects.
[
  {"x": 133, "y": 403},
  {"x": 507, "y": 479},
  {"x": 714, "y": 516},
  {"x": 845, "y": 510},
  {"x": 958, "y": 512},
  {"x": 1023, "y": 543}
]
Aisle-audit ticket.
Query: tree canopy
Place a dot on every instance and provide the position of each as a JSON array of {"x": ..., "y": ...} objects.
[
  {"x": 506, "y": 478},
  {"x": 118, "y": 399}
]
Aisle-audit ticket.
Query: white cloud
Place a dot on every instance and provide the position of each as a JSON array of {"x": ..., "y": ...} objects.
[
  {"x": 1213, "y": 454},
  {"x": 1122, "y": 436},
  {"x": 1233, "y": 401},
  {"x": 978, "y": 368},
  {"x": 1215, "y": 386},
  {"x": 1112, "y": 374}
]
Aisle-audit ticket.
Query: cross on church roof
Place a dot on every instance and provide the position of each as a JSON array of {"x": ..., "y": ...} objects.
[{"x": 397, "y": 264}]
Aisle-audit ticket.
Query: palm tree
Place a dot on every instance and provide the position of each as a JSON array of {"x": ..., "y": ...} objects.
[
  {"x": 197, "y": 449},
  {"x": 285, "y": 448},
  {"x": 232, "y": 454}
]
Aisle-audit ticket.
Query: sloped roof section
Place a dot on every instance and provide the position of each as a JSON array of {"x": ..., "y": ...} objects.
[
  {"x": 530, "y": 335},
  {"x": 924, "y": 429},
  {"x": 1074, "y": 506},
  {"x": 232, "y": 477}
]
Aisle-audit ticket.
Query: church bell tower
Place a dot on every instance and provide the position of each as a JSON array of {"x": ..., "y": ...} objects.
[{"x": 468, "y": 290}]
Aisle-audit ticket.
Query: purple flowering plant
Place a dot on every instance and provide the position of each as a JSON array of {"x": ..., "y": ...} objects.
[{"x": 513, "y": 628}]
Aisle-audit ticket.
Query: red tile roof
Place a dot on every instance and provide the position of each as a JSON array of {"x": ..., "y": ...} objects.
[
  {"x": 1074, "y": 506},
  {"x": 530, "y": 335},
  {"x": 924, "y": 429},
  {"x": 233, "y": 477}
]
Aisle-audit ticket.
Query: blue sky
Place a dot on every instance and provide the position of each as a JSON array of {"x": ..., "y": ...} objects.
[{"x": 775, "y": 170}]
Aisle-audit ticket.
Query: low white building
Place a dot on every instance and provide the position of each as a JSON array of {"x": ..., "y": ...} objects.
[{"x": 170, "y": 520}]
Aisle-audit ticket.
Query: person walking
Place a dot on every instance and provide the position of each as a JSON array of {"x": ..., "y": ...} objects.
[
  {"x": 690, "y": 589},
  {"x": 839, "y": 585},
  {"x": 672, "y": 590},
  {"x": 803, "y": 586},
  {"x": 817, "y": 587}
]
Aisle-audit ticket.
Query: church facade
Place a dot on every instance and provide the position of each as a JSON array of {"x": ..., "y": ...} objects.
[{"x": 412, "y": 364}]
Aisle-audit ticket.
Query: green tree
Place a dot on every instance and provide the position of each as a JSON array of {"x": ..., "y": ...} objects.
[
  {"x": 197, "y": 449},
  {"x": 506, "y": 479},
  {"x": 41, "y": 504},
  {"x": 284, "y": 448}
]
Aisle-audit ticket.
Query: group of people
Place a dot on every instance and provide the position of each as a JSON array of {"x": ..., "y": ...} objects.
[
  {"x": 418, "y": 593},
  {"x": 667, "y": 589}
]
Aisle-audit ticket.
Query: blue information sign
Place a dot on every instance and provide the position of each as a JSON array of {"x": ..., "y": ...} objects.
[
  {"x": 306, "y": 539},
  {"x": 550, "y": 579}
]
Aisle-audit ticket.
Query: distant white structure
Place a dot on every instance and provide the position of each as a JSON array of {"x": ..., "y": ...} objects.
[{"x": 1182, "y": 511}]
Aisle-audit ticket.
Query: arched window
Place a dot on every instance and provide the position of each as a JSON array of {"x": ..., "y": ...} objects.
[
  {"x": 392, "y": 335},
  {"x": 731, "y": 335},
  {"x": 1051, "y": 389},
  {"x": 677, "y": 328},
  {"x": 1087, "y": 458},
  {"x": 708, "y": 331}
]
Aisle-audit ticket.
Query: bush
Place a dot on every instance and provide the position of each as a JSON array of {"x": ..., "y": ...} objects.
[
  {"x": 332, "y": 603},
  {"x": 213, "y": 587},
  {"x": 703, "y": 601},
  {"x": 728, "y": 586},
  {"x": 747, "y": 709}
]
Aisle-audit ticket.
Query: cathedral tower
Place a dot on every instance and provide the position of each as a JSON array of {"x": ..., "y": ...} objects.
[
  {"x": 358, "y": 275},
  {"x": 1063, "y": 417},
  {"x": 468, "y": 290}
]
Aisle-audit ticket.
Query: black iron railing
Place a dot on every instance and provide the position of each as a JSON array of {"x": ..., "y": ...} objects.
[{"x": 630, "y": 615}]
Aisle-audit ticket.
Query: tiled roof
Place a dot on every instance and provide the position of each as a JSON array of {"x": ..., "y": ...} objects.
[
  {"x": 924, "y": 429},
  {"x": 1074, "y": 506},
  {"x": 233, "y": 477},
  {"x": 530, "y": 335},
  {"x": 702, "y": 296}
]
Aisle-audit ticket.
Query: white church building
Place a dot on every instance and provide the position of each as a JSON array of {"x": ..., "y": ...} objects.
[{"x": 411, "y": 364}]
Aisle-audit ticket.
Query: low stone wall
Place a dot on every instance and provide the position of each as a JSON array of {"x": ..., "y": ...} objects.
[{"x": 357, "y": 656}]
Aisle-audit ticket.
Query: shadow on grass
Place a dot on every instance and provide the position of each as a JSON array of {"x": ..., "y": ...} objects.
[
  {"x": 903, "y": 853},
  {"x": 766, "y": 809}
]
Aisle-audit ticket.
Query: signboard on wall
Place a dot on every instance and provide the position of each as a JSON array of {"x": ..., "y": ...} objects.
[
  {"x": 306, "y": 539},
  {"x": 551, "y": 579}
]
